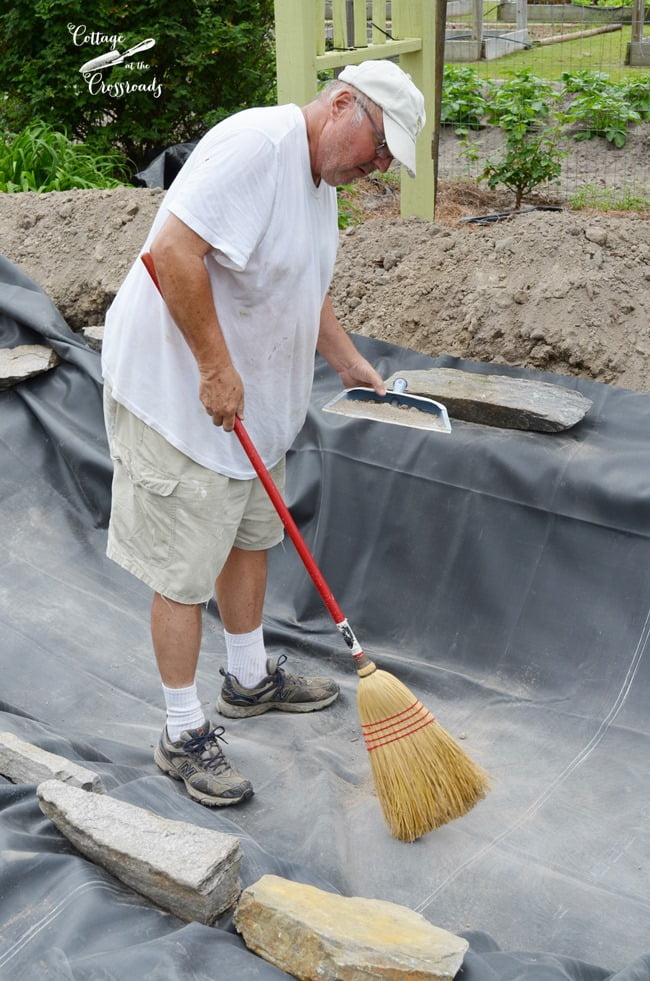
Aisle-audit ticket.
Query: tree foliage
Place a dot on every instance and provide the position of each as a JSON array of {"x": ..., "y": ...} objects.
[{"x": 210, "y": 58}]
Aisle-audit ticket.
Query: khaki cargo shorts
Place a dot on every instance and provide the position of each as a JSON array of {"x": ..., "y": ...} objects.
[{"x": 173, "y": 522}]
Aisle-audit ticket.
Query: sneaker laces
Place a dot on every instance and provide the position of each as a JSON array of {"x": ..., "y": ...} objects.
[
  {"x": 207, "y": 748},
  {"x": 283, "y": 678}
]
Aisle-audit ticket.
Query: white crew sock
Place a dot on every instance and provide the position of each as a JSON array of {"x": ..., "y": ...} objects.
[
  {"x": 246, "y": 657},
  {"x": 183, "y": 710}
]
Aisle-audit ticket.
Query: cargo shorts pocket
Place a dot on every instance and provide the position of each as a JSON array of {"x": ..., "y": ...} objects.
[{"x": 144, "y": 512}]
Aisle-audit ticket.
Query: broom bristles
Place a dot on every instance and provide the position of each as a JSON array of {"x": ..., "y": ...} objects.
[{"x": 422, "y": 776}]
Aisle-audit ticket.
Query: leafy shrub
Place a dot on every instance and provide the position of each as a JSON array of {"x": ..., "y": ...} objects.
[
  {"x": 521, "y": 102},
  {"x": 209, "y": 60},
  {"x": 463, "y": 104},
  {"x": 529, "y": 160},
  {"x": 42, "y": 159}
]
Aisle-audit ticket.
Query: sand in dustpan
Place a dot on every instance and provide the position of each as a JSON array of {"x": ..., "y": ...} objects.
[{"x": 397, "y": 415}]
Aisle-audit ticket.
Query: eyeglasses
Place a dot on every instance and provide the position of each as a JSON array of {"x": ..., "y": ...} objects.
[{"x": 382, "y": 151}]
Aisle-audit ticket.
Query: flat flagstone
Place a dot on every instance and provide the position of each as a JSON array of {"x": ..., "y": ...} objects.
[
  {"x": 22, "y": 762},
  {"x": 310, "y": 933},
  {"x": 498, "y": 400},
  {"x": 190, "y": 871},
  {"x": 25, "y": 361}
]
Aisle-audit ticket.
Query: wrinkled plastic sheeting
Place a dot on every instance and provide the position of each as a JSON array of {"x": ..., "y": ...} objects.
[
  {"x": 502, "y": 575},
  {"x": 164, "y": 168}
]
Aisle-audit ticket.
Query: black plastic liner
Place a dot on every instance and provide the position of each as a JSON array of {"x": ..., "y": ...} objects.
[
  {"x": 502, "y": 575},
  {"x": 165, "y": 167}
]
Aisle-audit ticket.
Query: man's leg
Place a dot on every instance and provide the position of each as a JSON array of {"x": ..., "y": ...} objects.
[
  {"x": 176, "y": 634},
  {"x": 145, "y": 523},
  {"x": 189, "y": 747},
  {"x": 240, "y": 590},
  {"x": 254, "y": 684}
]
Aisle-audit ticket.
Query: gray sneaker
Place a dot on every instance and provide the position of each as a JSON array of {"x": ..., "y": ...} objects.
[
  {"x": 198, "y": 759},
  {"x": 279, "y": 690}
]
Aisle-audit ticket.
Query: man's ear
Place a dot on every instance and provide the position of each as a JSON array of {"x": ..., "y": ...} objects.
[{"x": 341, "y": 103}]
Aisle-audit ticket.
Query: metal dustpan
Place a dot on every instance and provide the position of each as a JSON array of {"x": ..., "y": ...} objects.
[{"x": 395, "y": 407}]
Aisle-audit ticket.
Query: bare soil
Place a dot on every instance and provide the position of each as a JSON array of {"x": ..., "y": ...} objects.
[{"x": 562, "y": 291}]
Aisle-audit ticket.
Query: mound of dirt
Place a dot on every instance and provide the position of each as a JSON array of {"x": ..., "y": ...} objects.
[{"x": 559, "y": 291}]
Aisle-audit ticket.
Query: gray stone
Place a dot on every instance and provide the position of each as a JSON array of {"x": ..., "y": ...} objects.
[
  {"x": 497, "y": 400},
  {"x": 192, "y": 872},
  {"x": 21, "y": 762},
  {"x": 311, "y": 934},
  {"x": 25, "y": 361},
  {"x": 596, "y": 235},
  {"x": 95, "y": 336}
]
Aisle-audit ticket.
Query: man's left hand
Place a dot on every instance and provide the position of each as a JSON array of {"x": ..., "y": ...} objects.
[{"x": 360, "y": 373}]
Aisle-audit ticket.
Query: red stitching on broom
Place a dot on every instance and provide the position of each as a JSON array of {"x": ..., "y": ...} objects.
[
  {"x": 396, "y": 716},
  {"x": 402, "y": 735},
  {"x": 392, "y": 720}
]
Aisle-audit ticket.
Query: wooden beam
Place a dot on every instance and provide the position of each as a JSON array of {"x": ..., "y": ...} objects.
[{"x": 354, "y": 56}]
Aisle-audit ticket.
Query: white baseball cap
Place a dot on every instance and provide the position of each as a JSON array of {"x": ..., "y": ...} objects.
[{"x": 402, "y": 103}]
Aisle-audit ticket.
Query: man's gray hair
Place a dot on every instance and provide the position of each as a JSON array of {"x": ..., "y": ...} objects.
[{"x": 332, "y": 88}]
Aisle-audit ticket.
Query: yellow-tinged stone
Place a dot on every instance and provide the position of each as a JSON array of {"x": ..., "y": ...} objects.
[{"x": 320, "y": 936}]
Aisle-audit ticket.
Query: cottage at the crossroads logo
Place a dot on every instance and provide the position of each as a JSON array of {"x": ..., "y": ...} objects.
[{"x": 95, "y": 70}]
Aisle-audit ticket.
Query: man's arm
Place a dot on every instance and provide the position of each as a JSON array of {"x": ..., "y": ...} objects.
[
  {"x": 339, "y": 351},
  {"x": 178, "y": 255}
]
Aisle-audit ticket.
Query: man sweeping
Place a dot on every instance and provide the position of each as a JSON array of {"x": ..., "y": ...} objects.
[{"x": 244, "y": 246}]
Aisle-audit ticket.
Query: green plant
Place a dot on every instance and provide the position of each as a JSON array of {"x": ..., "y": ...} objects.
[
  {"x": 636, "y": 91},
  {"x": 605, "y": 199},
  {"x": 463, "y": 104},
  {"x": 209, "y": 59},
  {"x": 521, "y": 102},
  {"x": 585, "y": 80},
  {"x": 349, "y": 210},
  {"x": 529, "y": 160},
  {"x": 42, "y": 159},
  {"x": 601, "y": 113}
]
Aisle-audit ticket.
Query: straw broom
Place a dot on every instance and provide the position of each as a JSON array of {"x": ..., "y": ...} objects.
[{"x": 422, "y": 777}]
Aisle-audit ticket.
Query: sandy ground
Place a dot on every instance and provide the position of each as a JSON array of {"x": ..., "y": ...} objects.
[{"x": 562, "y": 291}]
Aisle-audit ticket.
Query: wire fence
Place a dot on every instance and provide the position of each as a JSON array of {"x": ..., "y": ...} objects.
[
  {"x": 595, "y": 58},
  {"x": 597, "y": 113}
]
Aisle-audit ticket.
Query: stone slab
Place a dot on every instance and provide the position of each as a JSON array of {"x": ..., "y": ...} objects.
[
  {"x": 94, "y": 336},
  {"x": 25, "y": 361},
  {"x": 497, "y": 400},
  {"x": 189, "y": 871},
  {"x": 310, "y": 933},
  {"x": 22, "y": 762}
]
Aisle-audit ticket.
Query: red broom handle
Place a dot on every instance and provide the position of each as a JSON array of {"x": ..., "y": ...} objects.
[
  {"x": 284, "y": 514},
  {"x": 288, "y": 522}
]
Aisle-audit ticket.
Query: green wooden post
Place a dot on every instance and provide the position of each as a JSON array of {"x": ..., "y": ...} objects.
[
  {"x": 360, "y": 24},
  {"x": 301, "y": 54},
  {"x": 379, "y": 21},
  {"x": 295, "y": 50},
  {"x": 416, "y": 18}
]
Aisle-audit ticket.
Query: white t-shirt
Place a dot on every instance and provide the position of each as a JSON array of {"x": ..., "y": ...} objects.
[{"x": 247, "y": 190}]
